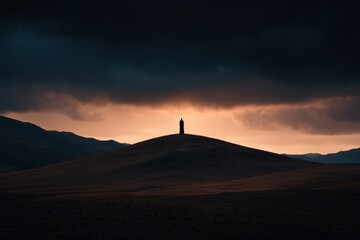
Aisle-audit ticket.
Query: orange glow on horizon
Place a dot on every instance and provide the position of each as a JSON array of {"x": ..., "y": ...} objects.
[{"x": 131, "y": 124}]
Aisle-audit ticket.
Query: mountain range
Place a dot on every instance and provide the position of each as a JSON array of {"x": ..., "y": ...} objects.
[
  {"x": 25, "y": 145},
  {"x": 343, "y": 157}
]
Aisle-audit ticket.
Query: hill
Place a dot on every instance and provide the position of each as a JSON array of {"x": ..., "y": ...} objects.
[
  {"x": 25, "y": 145},
  {"x": 166, "y": 162},
  {"x": 182, "y": 187},
  {"x": 344, "y": 157}
]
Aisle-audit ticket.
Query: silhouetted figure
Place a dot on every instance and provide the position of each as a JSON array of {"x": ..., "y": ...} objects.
[{"x": 182, "y": 127}]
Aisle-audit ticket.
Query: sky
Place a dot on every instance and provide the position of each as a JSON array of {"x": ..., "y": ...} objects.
[{"x": 278, "y": 75}]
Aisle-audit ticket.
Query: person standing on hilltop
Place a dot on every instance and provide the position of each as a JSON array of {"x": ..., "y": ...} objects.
[{"x": 182, "y": 127}]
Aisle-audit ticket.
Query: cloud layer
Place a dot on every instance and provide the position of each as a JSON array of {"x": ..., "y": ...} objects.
[
  {"x": 329, "y": 117},
  {"x": 58, "y": 55}
]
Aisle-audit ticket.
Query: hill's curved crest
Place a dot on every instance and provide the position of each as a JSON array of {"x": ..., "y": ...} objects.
[{"x": 165, "y": 161}]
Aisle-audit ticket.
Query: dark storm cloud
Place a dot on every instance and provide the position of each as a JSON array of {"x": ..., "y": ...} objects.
[
  {"x": 210, "y": 53},
  {"x": 330, "y": 117}
]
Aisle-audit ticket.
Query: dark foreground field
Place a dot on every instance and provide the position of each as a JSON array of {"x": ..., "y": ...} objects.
[{"x": 287, "y": 214}]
